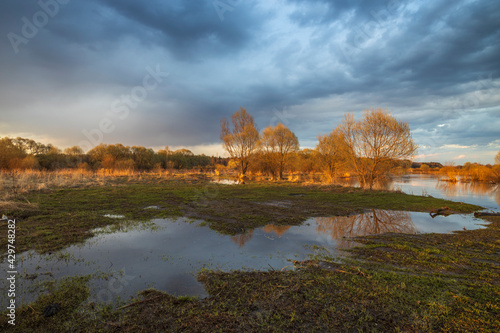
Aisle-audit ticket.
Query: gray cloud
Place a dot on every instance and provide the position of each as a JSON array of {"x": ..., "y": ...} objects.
[{"x": 436, "y": 65}]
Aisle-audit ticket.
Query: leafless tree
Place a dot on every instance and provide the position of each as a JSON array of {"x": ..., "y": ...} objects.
[
  {"x": 330, "y": 153},
  {"x": 372, "y": 145},
  {"x": 277, "y": 143},
  {"x": 242, "y": 141}
]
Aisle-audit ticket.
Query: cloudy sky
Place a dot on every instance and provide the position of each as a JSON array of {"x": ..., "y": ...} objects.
[{"x": 157, "y": 73}]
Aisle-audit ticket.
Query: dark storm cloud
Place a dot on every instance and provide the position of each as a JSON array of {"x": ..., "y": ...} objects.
[
  {"x": 314, "y": 12},
  {"x": 435, "y": 64},
  {"x": 190, "y": 28},
  {"x": 431, "y": 50}
]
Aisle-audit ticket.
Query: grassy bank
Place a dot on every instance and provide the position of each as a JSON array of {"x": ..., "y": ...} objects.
[{"x": 52, "y": 219}]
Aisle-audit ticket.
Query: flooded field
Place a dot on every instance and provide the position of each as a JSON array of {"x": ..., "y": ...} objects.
[{"x": 167, "y": 253}]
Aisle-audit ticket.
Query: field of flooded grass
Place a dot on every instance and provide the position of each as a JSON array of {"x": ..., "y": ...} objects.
[{"x": 198, "y": 255}]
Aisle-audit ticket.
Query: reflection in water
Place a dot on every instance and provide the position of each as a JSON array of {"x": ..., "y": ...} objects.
[
  {"x": 375, "y": 222},
  {"x": 341, "y": 227},
  {"x": 225, "y": 181},
  {"x": 279, "y": 230},
  {"x": 241, "y": 239},
  {"x": 167, "y": 253},
  {"x": 479, "y": 193},
  {"x": 461, "y": 189},
  {"x": 383, "y": 184}
]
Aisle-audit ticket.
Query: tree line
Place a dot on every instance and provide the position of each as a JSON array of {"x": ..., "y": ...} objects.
[
  {"x": 22, "y": 153},
  {"x": 368, "y": 148}
]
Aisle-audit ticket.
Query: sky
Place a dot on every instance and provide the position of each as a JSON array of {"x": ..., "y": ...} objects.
[{"x": 164, "y": 73}]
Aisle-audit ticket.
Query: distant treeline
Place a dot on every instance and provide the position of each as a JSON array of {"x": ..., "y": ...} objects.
[
  {"x": 426, "y": 165},
  {"x": 22, "y": 153},
  {"x": 26, "y": 154}
]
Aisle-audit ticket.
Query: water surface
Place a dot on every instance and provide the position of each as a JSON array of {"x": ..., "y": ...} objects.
[
  {"x": 478, "y": 193},
  {"x": 167, "y": 253}
]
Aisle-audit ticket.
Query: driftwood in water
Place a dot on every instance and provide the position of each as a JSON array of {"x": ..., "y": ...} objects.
[
  {"x": 479, "y": 214},
  {"x": 440, "y": 211}
]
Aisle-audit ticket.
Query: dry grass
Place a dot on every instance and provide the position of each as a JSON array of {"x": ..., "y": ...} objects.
[
  {"x": 19, "y": 182},
  {"x": 15, "y": 183},
  {"x": 10, "y": 205}
]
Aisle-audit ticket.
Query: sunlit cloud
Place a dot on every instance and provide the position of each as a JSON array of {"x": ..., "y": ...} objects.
[{"x": 455, "y": 146}]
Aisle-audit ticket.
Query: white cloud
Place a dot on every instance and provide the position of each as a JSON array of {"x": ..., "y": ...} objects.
[
  {"x": 425, "y": 156},
  {"x": 207, "y": 149},
  {"x": 455, "y": 146}
]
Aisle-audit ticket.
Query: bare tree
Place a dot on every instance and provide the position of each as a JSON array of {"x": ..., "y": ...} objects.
[
  {"x": 497, "y": 158},
  {"x": 277, "y": 142},
  {"x": 372, "y": 145},
  {"x": 242, "y": 141},
  {"x": 330, "y": 153}
]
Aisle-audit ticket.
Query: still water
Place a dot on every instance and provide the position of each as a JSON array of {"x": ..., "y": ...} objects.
[
  {"x": 481, "y": 194},
  {"x": 167, "y": 253}
]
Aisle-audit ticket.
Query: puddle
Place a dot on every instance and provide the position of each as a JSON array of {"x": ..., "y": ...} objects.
[
  {"x": 383, "y": 221},
  {"x": 225, "y": 181},
  {"x": 281, "y": 204},
  {"x": 114, "y": 216},
  {"x": 167, "y": 253}
]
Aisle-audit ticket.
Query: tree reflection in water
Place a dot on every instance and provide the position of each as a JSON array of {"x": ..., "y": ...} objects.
[
  {"x": 462, "y": 189},
  {"x": 382, "y": 184},
  {"x": 338, "y": 227},
  {"x": 372, "y": 223},
  {"x": 241, "y": 239},
  {"x": 279, "y": 230}
]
